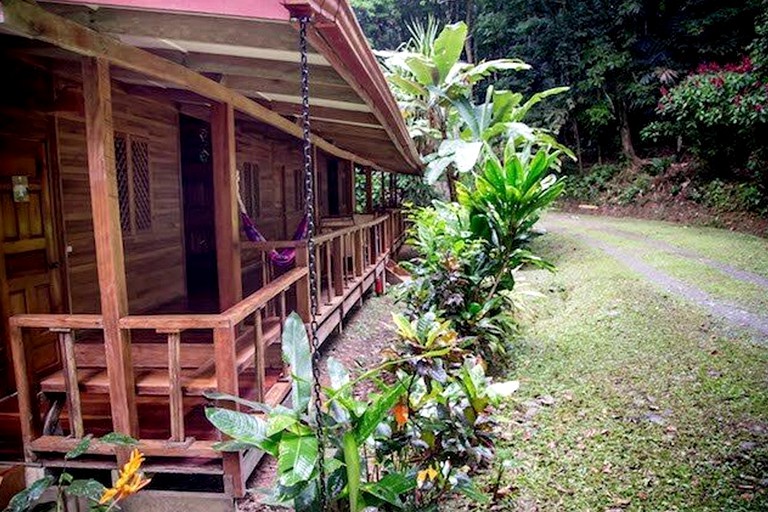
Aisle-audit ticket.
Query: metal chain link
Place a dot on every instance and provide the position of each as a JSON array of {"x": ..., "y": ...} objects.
[{"x": 309, "y": 189}]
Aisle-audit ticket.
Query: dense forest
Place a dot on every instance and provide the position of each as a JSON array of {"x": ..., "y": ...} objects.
[{"x": 668, "y": 99}]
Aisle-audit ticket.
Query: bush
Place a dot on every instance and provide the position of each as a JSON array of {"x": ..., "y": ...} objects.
[{"x": 721, "y": 112}]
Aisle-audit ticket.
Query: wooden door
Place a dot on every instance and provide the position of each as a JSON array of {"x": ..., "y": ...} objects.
[
  {"x": 30, "y": 264},
  {"x": 199, "y": 222}
]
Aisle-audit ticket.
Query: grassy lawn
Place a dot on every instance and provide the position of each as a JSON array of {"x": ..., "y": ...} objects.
[
  {"x": 719, "y": 285},
  {"x": 630, "y": 399},
  {"x": 737, "y": 249}
]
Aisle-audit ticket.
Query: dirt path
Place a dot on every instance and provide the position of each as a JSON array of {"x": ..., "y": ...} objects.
[{"x": 578, "y": 227}]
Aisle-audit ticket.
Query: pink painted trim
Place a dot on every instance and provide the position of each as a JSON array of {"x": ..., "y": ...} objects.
[{"x": 259, "y": 9}]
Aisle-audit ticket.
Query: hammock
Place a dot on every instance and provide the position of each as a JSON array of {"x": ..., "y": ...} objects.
[{"x": 281, "y": 258}]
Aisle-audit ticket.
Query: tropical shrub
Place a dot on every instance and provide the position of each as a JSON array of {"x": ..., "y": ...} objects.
[
  {"x": 379, "y": 452},
  {"x": 468, "y": 252}
]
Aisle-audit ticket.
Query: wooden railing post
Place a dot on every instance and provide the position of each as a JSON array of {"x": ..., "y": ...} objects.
[
  {"x": 258, "y": 355},
  {"x": 359, "y": 263},
  {"x": 329, "y": 293},
  {"x": 29, "y": 411},
  {"x": 110, "y": 262},
  {"x": 69, "y": 368},
  {"x": 303, "y": 307},
  {"x": 338, "y": 271},
  {"x": 175, "y": 394}
]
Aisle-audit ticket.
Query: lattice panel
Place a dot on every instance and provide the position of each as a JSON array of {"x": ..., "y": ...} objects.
[
  {"x": 142, "y": 193},
  {"x": 249, "y": 188},
  {"x": 123, "y": 183}
]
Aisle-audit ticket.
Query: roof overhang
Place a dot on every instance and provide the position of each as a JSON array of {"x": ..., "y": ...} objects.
[{"x": 251, "y": 47}]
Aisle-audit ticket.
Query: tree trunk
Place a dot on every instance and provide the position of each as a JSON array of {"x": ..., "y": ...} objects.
[
  {"x": 468, "y": 42},
  {"x": 578, "y": 145},
  {"x": 627, "y": 146},
  {"x": 450, "y": 177}
]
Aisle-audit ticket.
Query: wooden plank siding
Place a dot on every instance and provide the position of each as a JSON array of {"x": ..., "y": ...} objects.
[{"x": 154, "y": 259}]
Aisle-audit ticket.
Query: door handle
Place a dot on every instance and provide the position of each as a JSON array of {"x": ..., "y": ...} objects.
[{"x": 54, "y": 265}]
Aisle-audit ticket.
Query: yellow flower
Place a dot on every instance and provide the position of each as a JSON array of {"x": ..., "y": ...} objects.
[
  {"x": 130, "y": 481},
  {"x": 401, "y": 414},
  {"x": 426, "y": 474}
]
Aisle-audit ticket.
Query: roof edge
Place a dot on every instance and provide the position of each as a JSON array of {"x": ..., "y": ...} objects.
[{"x": 335, "y": 21}]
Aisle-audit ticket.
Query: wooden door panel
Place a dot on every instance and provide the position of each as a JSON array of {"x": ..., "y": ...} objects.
[{"x": 29, "y": 256}]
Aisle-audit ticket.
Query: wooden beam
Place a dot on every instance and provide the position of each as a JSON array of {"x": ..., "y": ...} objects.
[
  {"x": 184, "y": 27},
  {"x": 328, "y": 114},
  {"x": 107, "y": 232},
  {"x": 225, "y": 205},
  {"x": 33, "y": 21},
  {"x": 254, "y": 86}
]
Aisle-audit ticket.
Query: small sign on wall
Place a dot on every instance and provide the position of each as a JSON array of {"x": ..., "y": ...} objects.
[{"x": 20, "y": 189}]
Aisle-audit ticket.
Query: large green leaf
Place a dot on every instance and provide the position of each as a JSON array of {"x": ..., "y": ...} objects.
[
  {"x": 448, "y": 47},
  {"x": 278, "y": 422},
  {"x": 22, "y": 501},
  {"x": 256, "y": 406},
  {"x": 118, "y": 439},
  {"x": 297, "y": 354},
  {"x": 484, "y": 69},
  {"x": 240, "y": 426},
  {"x": 426, "y": 72},
  {"x": 297, "y": 455},
  {"x": 378, "y": 411},
  {"x": 408, "y": 86},
  {"x": 90, "y": 489},
  {"x": 80, "y": 448},
  {"x": 390, "y": 488}
]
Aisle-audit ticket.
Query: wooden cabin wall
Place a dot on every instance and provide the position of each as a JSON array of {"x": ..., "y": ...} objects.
[{"x": 154, "y": 258}]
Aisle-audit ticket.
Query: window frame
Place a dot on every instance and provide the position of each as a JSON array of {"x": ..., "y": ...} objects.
[{"x": 131, "y": 229}]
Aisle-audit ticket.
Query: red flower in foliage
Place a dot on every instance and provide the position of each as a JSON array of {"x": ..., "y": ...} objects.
[
  {"x": 737, "y": 100},
  {"x": 664, "y": 91},
  {"x": 758, "y": 108},
  {"x": 717, "y": 81}
]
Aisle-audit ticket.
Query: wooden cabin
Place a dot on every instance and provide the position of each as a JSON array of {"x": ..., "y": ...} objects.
[{"x": 128, "y": 131}]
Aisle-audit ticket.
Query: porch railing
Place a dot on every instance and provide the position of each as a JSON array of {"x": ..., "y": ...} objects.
[{"x": 345, "y": 257}]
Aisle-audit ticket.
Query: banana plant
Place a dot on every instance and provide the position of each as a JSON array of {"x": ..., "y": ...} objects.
[{"x": 480, "y": 127}]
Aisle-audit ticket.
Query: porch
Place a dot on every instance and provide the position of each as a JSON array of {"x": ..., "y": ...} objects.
[{"x": 177, "y": 358}]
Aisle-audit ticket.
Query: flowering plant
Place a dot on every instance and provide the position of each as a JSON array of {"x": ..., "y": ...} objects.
[{"x": 719, "y": 111}]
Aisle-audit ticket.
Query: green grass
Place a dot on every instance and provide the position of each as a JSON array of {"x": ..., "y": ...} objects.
[
  {"x": 716, "y": 283},
  {"x": 737, "y": 249},
  {"x": 653, "y": 410}
]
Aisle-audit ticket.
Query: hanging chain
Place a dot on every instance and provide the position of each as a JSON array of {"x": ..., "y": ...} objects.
[{"x": 309, "y": 189}]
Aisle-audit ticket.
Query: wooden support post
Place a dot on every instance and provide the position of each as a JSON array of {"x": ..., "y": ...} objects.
[
  {"x": 353, "y": 187},
  {"x": 107, "y": 232},
  {"x": 368, "y": 190},
  {"x": 225, "y": 205},
  {"x": 29, "y": 410},
  {"x": 69, "y": 369},
  {"x": 175, "y": 395},
  {"x": 338, "y": 271},
  {"x": 303, "y": 307},
  {"x": 259, "y": 364},
  {"x": 224, "y": 353}
]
